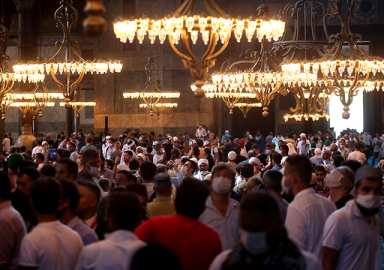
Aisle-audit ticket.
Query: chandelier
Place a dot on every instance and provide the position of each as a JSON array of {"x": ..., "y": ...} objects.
[
  {"x": 66, "y": 17},
  {"x": 246, "y": 106},
  {"x": 5, "y": 103},
  {"x": 78, "y": 104},
  {"x": 230, "y": 99},
  {"x": 311, "y": 94},
  {"x": 31, "y": 107},
  {"x": 152, "y": 94},
  {"x": 344, "y": 73},
  {"x": 182, "y": 24}
]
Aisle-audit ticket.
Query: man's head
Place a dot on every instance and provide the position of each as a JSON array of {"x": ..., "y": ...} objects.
[
  {"x": 66, "y": 169},
  {"x": 39, "y": 158},
  {"x": 91, "y": 161},
  {"x": 123, "y": 218},
  {"x": 284, "y": 150},
  {"x": 358, "y": 146},
  {"x": 368, "y": 190},
  {"x": 46, "y": 194},
  {"x": 27, "y": 176},
  {"x": 147, "y": 170},
  {"x": 191, "y": 197},
  {"x": 232, "y": 156},
  {"x": 141, "y": 192},
  {"x": 276, "y": 158},
  {"x": 256, "y": 163},
  {"x": 223, "y": 178},
  {"x": 253, "y": 184},
  {"x": 124, "y": 178},
  {"x": 320, "y": 173},
  {"x": 71, "y": 147},
  {"x": 326, "y": 155},
  {"x": 127, "y": 156},
  {"x": 246, "y": 170},
  {"x": 162, "y": 185},
  {"x": 203, "y": 164},
  {"x": 259, "y": 221},
  {"x": 89, "y": 194},
  {"x": 272, "y": 181},
  {"x": 341, "y": 179},
  {"x": 298, "y": 173},
  {"x": 71, "y": 197}
]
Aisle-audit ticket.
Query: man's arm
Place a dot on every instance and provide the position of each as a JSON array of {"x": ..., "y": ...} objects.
[{"x": 330, "y": 258}]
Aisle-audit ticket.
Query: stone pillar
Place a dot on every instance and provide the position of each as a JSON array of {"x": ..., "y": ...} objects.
[{"x": 26, "y": 51}]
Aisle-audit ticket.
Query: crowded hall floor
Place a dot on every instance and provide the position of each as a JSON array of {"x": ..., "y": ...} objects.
[{"x": 193, "y": 201}]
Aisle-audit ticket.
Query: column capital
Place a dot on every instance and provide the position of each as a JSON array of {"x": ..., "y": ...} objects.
[{"x": 24, "y": 4}]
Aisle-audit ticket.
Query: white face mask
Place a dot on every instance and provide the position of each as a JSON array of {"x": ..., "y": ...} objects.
[
  {"x": 222, "y": 185},
  {"x": 184, "y": 170},
  {"x": 204, "y": 173},
  {"x": 285, "y": 188},
  {"x": 267, "y": 152},
  {"x": 254, "y": 242},
  {"x": 93, "y": 171},
  {"x": 369, "y": 201}
]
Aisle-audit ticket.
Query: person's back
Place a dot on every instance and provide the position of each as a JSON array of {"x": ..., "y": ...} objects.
[
  {"x": 163, "y": 204},
  {"x": 194, "y": 243},
  {"x": 119, "y": 247},
  {"x": 50, "y": 245}
]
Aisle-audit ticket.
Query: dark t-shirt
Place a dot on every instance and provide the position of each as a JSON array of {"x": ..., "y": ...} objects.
[
  {"x": 341, "y": 203},
  {"x": 240, "y": 159},
  {"x": 167, "y": 149}
]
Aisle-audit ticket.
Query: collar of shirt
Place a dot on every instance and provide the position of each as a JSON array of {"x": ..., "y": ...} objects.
[
  {"x": 73, "y": 222},
  {"x": 353, "y": 209},
  {"x": 49, "y": 224},
  {"x": 5, "y": 205},
  {"x": 306, "y": 191},
  {"x": 162, "y": 199},
  {"x": 91, "y": 221},
  {"x": 120, "y": 235},
  {"x": 231, "y": 205}
]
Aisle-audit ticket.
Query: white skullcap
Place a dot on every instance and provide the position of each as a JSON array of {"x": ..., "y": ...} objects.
[
  {"x": 141, "y": 155},
  {"x": 175, "y": 139},
  {"x": 317, "y": 151},
  {"x": 334, "y": 178},
  {"x": 232, "y": 155},
  {"x": 227, "y": 131},
  {"x": 206, "y": 143},
  {"x": 44, "y": 142},
  {"x": 303, "y": 135},
  {"x": 254, "y": 160},
  {"x": 203, "y": 161},
  {"x": 155, "y": 143},
  {"x": 108, "y": 137},
  {"x": 194, "y": 160}
]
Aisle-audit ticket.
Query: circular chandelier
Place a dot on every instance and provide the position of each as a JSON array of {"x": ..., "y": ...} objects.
[
  {"x": 230, "y": 99},
  {"x": 152, "y": 94},
  {"x": 77, "y": 104},
  {"x": 31, "y": 107},
  {"x": 345, "y": 73},
  {"x": 66, "y": 17},
  {"x": 185, "y": 26},
  {"x": 246, "y": 106}
]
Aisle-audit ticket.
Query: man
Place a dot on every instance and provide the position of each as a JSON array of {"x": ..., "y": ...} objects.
[
  {"x": 117, "y": 151},
  {"x": 367, "y": 140},
  {"x": 66, "y": 169},
  {"x": 358, "y": 154},
  {"x": 37, "y": 149},
  {"x": 246, "y": 172},
  {"x": 308, "y": 211},
  {"x": 260, "y": 141},
  {"x": 67, "y": 215},
  {"x": 276, "y": 161},
  {"x": 159, "y": 157},
  {"x": 230, "y": 146},
  {"x": 231, "y": 159},
  {"x": 12, "y": 227},
  {"x": 340, "y": 183},
  {"x": 89, "y": 194},
  {"x": 208, "y": 156},
  {"x": 127, "y": 156},
  {"x": 277, "y": 139},
  {"x": 148, "y": 172},
  {"x": 221, "y": 212},
  {"x": 6, "y": 145},
  {"x": 376, "y": 142},
  {"x": 352, "y": 141},
  {"x": 351, "y": 235},
  {"x": 124, "y": 179},
  {"x": 269, "y": 138},
  {"x": 50, "y": 245},
  {"x": 104, "y": 171},
  {"x": 192, "y": 242},
  {"x": 303, "y": 145},
  {"x": 263, "y": 242},
  {"x": 225, "y": 138},
  {"x": 203, "y": 169},
  {"x": 163, "y": 204},
  {"x": 87, "y": 146},
  {"x": 109, "y": 149},
  {"x": 320, "y": 174},
  {"x": 27, "y": 176},
  {"x": 118, "y": 249},
  {"x": 343, "y": 149},
  {"x": 201, "y": 132},
  {"x": 272, "y": 182},
  {"x": 257, "y": 165},
  {"x": 327, "y": 159},
  {"x": 23, "y": 151},
  {"x": 91, "y": 165},
  {"x": 284, "y": 150},
  {"x": 72, "y": 148}
]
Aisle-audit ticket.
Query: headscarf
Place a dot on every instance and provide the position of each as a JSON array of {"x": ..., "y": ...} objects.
[{"x": 292, "y": 150}]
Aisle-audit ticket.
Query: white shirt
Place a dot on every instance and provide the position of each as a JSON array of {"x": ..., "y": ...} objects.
[
  {"x": 157, "y": 158},
  {"x": 201, "y": 176},
  {"x": 12, "y": 231},
  {"x": 303, "y": 147},
  {"x": 227, "y": 227},
  {"x": 358, "y": 242},
  {"x": 315, "y": 159},
  {"x": 201, "y": 133},
  {"x": 149, "y": 187},
  {"x": 37, "y": 149},
  {"x": 305, "y": 220},
  {"x": 74, "y": 155},
  {"x": 357, "y": 155},
  {"x": 51, "y": 245},
  {"x": 7, "y": 144},
  {"x": 123, "y": 166},
  {"x": 312, "y": 263},
  {"x": 115, "y": 252}
]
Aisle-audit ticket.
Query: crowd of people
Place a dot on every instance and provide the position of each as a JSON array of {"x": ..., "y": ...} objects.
[{"x": 140, "y": 201}]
